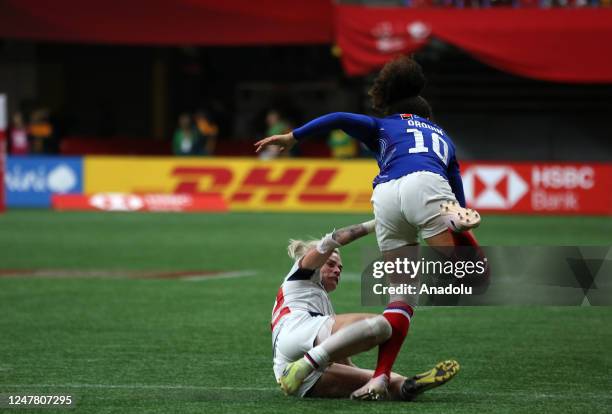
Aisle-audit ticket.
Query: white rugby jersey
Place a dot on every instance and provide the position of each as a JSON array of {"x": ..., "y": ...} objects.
[{"x": 301, "y": 291}]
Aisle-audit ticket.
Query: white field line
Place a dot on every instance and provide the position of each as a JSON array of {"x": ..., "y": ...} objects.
[
  {"x": 517, "y": 394},
  {"x": 139, "y": 386},
  {"x": 521, "y": 394},
  {"x": 130, "y": 274},
  {"x": 224, "y": 275}
]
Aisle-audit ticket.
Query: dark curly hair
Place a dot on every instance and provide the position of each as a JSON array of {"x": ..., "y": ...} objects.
[
  {"x": 400, "y": 81},
  {"x": 416, "y": 105}
]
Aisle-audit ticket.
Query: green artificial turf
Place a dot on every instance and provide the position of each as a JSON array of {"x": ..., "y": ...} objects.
[{"x": 172, "y": 345}]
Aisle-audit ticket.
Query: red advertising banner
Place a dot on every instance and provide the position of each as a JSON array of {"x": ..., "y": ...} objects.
[
  {"x": 544, "y": 188},
  {"x": 138, "y": 202}
]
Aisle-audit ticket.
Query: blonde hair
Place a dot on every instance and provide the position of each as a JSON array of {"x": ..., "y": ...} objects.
[{"x": 298, "y": 248}]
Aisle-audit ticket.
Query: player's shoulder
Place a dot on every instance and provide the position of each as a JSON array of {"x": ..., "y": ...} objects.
[
  {"x": 361, "y": 118},
  {"x": 298, "y": 273}
]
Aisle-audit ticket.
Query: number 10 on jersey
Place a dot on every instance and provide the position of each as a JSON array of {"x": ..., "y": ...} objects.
[{"x": 436, "y": 139}]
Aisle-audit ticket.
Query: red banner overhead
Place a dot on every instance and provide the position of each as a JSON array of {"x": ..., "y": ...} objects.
[
  {"x": 201, "y": 22},
  {"x": 565, "y": 45}
]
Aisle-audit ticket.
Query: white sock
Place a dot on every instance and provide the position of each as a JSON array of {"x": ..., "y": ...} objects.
[
  {"x": 317, "y": 357},
  {"x": 377, "y": 327}
]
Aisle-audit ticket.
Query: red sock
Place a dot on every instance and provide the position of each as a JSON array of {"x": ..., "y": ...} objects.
[
  {"x": 398, "y": 314},
  {"x": 465, "y": 238}
]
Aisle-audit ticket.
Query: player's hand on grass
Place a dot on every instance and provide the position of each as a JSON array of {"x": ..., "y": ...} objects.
[{"x": 284, "y": 141}]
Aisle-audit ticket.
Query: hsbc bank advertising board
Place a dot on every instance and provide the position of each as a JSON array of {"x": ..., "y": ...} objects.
[
  {"x": 305, "y": 185},
  {"x": 31, "y": 181},
  {"x": 327, "y": 185},
  {"x": 561, "y": 188}
]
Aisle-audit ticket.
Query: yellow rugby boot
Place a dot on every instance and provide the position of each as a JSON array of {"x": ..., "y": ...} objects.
[
  {"x": 438, "y": 375},
  {"x": 294, "y": 375}
]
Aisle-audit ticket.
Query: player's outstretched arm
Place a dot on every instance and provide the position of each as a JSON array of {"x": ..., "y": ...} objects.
[
  {"x": 351, "y": 233},
  {"x": 361, "y": 127},
  {"x": 316, "y": 257},
  {"x": 284, "y": 141},
  {"x": 454, "y": 179}
]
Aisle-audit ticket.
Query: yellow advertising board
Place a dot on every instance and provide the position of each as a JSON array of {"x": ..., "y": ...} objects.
[{"x": 246, "y": 184}]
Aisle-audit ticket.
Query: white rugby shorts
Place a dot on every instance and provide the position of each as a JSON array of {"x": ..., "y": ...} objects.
[
  {"x": 407, "y": 206},
  {"x": 297, "y": 335}
]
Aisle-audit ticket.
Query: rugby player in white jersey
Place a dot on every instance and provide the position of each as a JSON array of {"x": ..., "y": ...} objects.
[
  {"x": 418, "y": 192},
  {"x": 312, "y": 345}
]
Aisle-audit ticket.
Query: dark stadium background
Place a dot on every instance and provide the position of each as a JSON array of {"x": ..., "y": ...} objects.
[
  {"x": 169, "y": 312},
  {"x": 102, "y": 91}
]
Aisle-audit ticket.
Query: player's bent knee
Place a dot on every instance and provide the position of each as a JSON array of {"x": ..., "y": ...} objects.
[{"x": 380, "y": 329}]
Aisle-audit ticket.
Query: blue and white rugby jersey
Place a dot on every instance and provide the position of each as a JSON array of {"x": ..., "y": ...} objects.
[{"x": 402, "y": 144}]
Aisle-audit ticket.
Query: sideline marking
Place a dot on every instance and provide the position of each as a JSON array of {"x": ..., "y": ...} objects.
[
  {"x": 139, "y": 386},
  {"x": 190, "y": 275},
  {"x": 520, "y": 394}
]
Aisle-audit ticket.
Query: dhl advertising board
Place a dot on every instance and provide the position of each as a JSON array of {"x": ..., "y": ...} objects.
[{"x": 245, "y": 184}]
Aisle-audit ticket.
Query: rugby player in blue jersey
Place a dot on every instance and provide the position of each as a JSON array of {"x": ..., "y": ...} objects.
[{"x": 418, "y": 191}]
